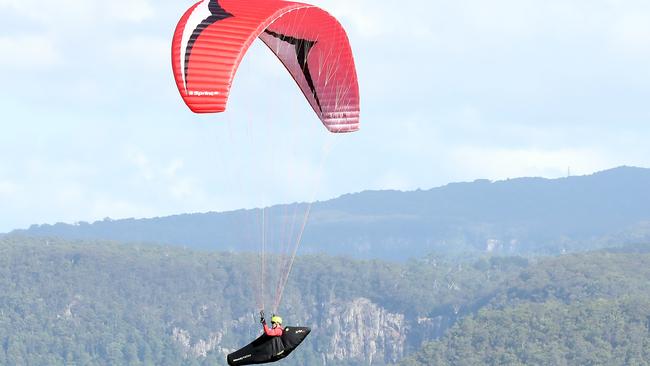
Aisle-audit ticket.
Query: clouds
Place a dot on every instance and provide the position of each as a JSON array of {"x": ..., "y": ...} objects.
[
  {"x": 140, "y": 53},
  {"x": 79, "y": 13},
  {"x": 165, "y": 179},
  {"x": 499, "y": 21},
  {"x": 499, "y": 163},
  {"x": 93, "y": 125},
  {"x": 631, "y": 35},
  {"x": 130, "y": 10},
  {"x": 72, "y": 55},
  {"x": 8, "y": 188},
  {"x": 29, "y": 52}
]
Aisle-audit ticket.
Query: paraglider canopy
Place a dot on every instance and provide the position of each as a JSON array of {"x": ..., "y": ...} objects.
[{"x": 213, "y": 35}]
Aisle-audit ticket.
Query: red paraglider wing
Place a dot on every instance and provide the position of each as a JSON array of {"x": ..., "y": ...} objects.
[{"x": 213, "y": 35}]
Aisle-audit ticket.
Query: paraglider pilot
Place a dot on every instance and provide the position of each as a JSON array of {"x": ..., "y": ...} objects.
[
  {"x": 276, "y": 343},
  {"x": 276, "y": 325}
]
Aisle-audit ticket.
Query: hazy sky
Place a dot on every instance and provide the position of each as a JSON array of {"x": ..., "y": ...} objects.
[{"x": 93, "y": 126}]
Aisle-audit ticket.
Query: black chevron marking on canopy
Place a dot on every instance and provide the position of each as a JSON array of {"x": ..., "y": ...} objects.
[
  {"x": 303, "y": 46},
  {"x": 218, "y": 13}
]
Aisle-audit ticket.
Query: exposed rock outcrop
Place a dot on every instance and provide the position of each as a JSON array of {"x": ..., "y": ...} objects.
[
  {"x": 364, "y": 331},
  {"x": 199, "y": 348}
]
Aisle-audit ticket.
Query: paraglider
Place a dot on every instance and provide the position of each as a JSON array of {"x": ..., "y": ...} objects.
[
  {"x": 275, "y": 344},
  {"x": 209, "y": 43},
  {"x": 213, "y": 36}
]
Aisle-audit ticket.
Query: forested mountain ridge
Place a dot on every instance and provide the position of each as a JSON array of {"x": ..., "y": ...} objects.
[
  {"x": 587, "y": 309},
  {"x": 99, "y": 303},
  {"x": 514, "y": 217}
]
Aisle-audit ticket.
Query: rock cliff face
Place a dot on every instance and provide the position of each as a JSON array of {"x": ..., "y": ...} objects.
[
  {"x": 200, "y": 348},
  {"x": 356, "y": 330},
  {"x": 363, "y": 331}
]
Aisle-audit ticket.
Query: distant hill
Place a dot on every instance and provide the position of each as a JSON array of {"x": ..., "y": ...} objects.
[{"x": 516, "y": 216}]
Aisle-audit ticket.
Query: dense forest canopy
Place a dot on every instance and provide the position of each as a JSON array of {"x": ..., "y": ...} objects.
[
  {"x": 591, "y": 309},
  {"x": 98, "y": 303}
]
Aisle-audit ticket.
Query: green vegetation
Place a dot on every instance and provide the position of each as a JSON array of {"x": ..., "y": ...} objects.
[
  {"x": 598, "y": 332},
  {"x": 97, "y": 303},
  {"x": 103, "y": 303},
  {"x": 590, "y": 309}
]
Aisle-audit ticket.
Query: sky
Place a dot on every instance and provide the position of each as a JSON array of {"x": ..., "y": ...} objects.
[{"x": 92, "y": 125}]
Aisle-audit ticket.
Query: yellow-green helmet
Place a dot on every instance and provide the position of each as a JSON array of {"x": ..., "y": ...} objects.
[{"x": 276, "y": 319}]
